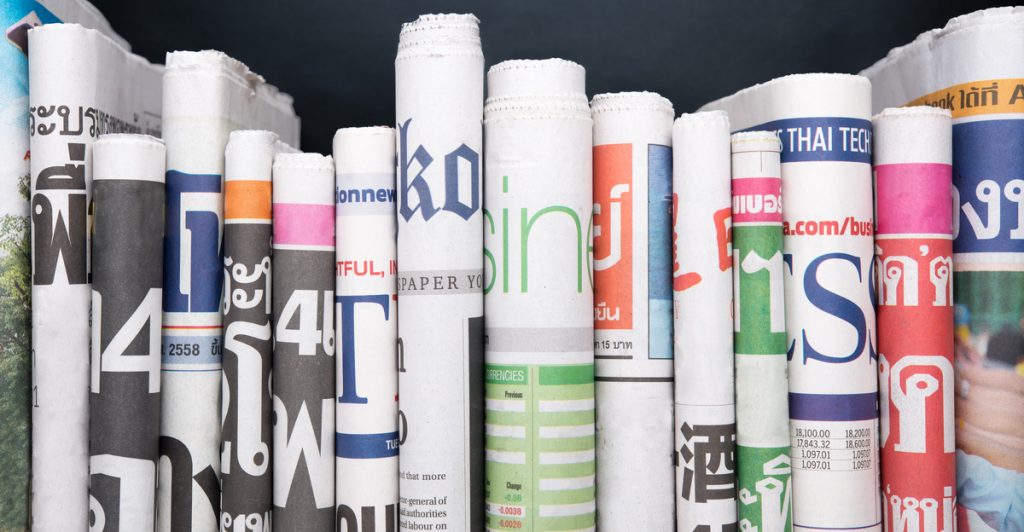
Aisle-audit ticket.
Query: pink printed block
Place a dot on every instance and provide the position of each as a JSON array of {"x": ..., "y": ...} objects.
[
  {"x": 757, "y": 199},
  {"x": 914, "y": 198},
  {"x": 303, "y": 225}
]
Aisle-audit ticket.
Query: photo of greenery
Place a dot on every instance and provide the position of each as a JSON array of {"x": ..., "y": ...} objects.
[{"x": 15, "y": 364}]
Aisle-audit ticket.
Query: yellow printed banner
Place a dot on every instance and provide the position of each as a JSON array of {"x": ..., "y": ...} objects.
[{"x": 993, "y": 96}]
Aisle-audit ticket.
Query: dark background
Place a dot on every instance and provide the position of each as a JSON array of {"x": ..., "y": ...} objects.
[{"x": 336, "y": 57}]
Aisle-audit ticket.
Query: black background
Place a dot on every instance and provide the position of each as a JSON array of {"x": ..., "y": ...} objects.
[{"x": 336, "y": 57}]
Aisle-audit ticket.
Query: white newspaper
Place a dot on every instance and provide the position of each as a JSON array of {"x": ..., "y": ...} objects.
[
  {"x": 83, "y": 85},
  {"x": 246, "y": 409},
  {"x": 303, "y": 375},
  {"x": 127, "y": 280},
  {"x": 366, "y": 318},
  {"x": 206, "y": 95},
  {"x": 539, "y": 299},
  {"x": 705, "y": 417},
  {"x": 633, "y": 309},
  {"x": 763, "y": 466},
  {"x": 439, "y": 107},
  {"x": 974, "y": 67},
  {"x": 823, "y": 121}
]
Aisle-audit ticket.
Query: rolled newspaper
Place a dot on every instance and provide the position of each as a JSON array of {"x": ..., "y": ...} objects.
[
  {"x": 633, "y": 309},
  {"x": 539, "y": 383},
  {"x": 206, "y": 95},
  {"x": 759, "y": 320},
  {"x": 303, "y": 302},
  {"x": 366, "y": 467},
  {"x": 914, "y": 247},
  {"x": 974, "y": 67},
  {"x": 439, "y": 106},
  {"x": 16, "y": 394},
  {"x": 127, "y": 280},
  {"x": 84, "y": 84},
  {"x": 705, "y": 417},
  {"x": 823, "y": 123},
  {"x": 246, "y": 486}
]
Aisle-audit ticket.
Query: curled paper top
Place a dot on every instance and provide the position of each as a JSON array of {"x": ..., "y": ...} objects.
[
  {"x": 912, "y": 112},
  {"x": 545, "y": 88},
  {"x": 789, "y": 79},
  {"x": 303, "y": 178},
  {"x": 76, "y": 31},
  {"x": 919, "y": 134},
  {"x": 251, "y": 136},
  {"x": 369, "y": 131},
  {"x": 442, "y": 24},
  {"x": 700, "y": 145},
  {"x": 978, "y": 21},
  {"x": 303, "y": 161},
  {"x": 137, "y": 140},
  {"x": 249, "y": 154},
  {"x": 756, "y": 141},
  {"x": 213, "y": 62},
  {"x": 798, "y": 96},
  {"x": 129, "y": 156},
  {"x": 702, "y": 119},
  {"x": 535, "y": 106},
  {"x": 542, "y": 77},
  {"x": 364, "y": 149},
  {"x": 283, "y": 147},
  {"x": 440, "y": 35},
  {"x": 631, "y": 101}
]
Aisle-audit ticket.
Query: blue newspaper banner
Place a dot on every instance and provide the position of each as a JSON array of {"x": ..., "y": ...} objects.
[{"x": 825, "y": 138}]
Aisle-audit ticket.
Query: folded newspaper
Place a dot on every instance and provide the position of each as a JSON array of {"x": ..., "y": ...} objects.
[
  {"x": 303, "y": 366},
  {"x": 823, "y": 121},
  {"x": 763, "y": 476},
  {"x": 633, "y": 309},
  {"x": 84, "y": 84},
  {"x": 439, "y": 98},
  {"x": 246, "y": 483},
  {"x": 366, "y": 318},
  {"x": 206, "y": 95},
  {"x": 539, "y": 299},
  {"x": 974, "y": 68},
  {"x": 16, "y": 18},
  {"x": 702, "y": 282},
  {"x": 124, "y": 388},
  {"x": 914, "y": 244}
]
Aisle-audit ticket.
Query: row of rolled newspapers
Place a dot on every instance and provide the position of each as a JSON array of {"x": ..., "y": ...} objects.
[{"x": 799, "y": 308}]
